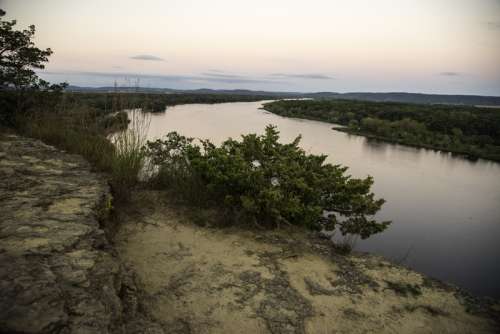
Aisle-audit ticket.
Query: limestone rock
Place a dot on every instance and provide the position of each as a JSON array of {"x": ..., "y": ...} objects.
[{"x": 58, "y": 273}]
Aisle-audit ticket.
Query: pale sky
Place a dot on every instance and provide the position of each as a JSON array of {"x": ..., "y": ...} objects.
[{"x": 431, "y": 46}]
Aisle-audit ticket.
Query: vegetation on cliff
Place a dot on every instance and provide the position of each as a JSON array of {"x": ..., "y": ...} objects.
[
  {"x": 266, "y": 183},
  {"x": 471, "y": 131}
]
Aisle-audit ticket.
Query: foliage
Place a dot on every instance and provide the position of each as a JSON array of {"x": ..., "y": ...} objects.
[
  {"x": 268, "y": 183},
  {"x": 19, "y": 56},
  {"x": 467, "y": 130},
  {"x": 20, "y": 87},
  {"x": 73, "y": 132},
  {"x": 79, "y": 130}
]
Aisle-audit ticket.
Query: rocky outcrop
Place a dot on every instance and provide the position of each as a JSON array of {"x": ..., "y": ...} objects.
[{"x": 58, "y": 272}]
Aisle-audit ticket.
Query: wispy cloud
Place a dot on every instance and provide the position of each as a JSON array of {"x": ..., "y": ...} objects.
[
  {"x": 166, "y": 78},
  {"x": 231, "y": 79},
  {"x": 314, "y": 76},
  {"x": 224, "y": 75},
  {"x": 147, "y": 57},
  {"x": 221, "y": 76},
  {"x": 450, "y": 74}
]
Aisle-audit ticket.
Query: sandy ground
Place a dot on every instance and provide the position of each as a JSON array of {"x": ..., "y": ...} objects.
[{"x": 211, "y": 280}]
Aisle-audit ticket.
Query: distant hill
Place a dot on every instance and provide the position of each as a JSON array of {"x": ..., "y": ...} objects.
[
  {"x": 184, "y": 91},
  {"x": 377, "y": 97},
  {"x": 413, "y": 98}
]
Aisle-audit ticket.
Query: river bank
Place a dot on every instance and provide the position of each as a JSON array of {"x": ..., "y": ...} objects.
[{"x": 457, "y": 153}]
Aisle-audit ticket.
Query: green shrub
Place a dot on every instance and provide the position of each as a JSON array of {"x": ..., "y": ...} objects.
[{"x": 266, "y": 183}]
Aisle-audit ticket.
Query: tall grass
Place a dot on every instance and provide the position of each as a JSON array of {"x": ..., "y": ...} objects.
[
  {"x": 129, "y": 156},
  {"x": 79, "y": 130},
  {"x": 74, "y": 133}
]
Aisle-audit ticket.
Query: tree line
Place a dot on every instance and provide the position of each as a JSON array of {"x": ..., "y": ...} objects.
[{"x": 467, "y": 130}]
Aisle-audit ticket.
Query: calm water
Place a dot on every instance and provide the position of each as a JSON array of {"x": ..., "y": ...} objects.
[{"x": 445, "y": 210}]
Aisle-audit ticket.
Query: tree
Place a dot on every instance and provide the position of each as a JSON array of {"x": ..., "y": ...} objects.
[
  {"x": 19, "y": 57},
  {"x": 20, "y": 88}
]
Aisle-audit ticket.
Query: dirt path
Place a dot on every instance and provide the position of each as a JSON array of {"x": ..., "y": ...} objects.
[{"x": 206, "y": 280}]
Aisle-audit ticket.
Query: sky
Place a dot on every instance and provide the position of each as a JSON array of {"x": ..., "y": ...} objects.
[{"x": 430, "y": 46}]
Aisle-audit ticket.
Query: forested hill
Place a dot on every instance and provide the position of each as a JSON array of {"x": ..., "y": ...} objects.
[
  {"x": 413, "y": 98},
  {"x": 203, "y": 91},
  {"x": 380, "y": 97}
]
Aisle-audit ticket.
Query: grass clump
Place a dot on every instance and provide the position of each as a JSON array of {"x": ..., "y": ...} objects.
[{"x": 128, "y": 156}]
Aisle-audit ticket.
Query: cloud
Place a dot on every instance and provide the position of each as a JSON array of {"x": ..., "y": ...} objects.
[
  {"x": 223, "y": 75},
  {"x": 231, "y": 79},
  {"x": 493, "y": 25},
  {"x": 450, "y": 74},
  {"x": 210, "y": 76},
  {"x": 165, "y": 78},
  {"x": 314, "y": 76},
  {"x": 147, "y": 57}
]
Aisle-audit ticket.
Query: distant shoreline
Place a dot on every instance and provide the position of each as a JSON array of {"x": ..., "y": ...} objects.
[
  {"x": 332, "y": 110},
  {"x": 462, "y": 154}
]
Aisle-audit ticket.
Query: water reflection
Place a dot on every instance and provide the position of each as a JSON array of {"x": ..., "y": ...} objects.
[{"x": 445, "y": 209}]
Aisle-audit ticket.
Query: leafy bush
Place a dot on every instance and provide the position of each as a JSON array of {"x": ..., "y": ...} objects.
[{"x": 266, "y": 182}]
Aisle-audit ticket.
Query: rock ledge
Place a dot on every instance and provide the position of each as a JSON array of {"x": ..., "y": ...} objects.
[{"x": 58, "y": 272}]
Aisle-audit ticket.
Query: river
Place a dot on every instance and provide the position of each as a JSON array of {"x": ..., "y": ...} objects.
[{"x": 445, "y": 209}]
